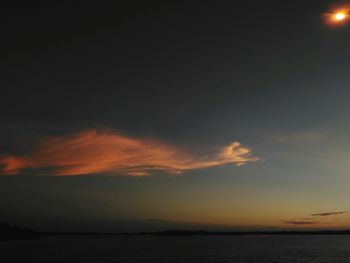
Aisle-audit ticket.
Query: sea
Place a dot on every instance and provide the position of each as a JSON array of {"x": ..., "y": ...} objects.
[{"x": 178, "y": 249}]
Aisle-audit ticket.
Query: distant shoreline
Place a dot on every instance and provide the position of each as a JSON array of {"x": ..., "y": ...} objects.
[
  {"x": 17, "y": 233},
  {"x": 203, "y": 233}
]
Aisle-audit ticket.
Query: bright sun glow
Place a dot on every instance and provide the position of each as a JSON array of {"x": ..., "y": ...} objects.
[{"x": 340, "y": 16}]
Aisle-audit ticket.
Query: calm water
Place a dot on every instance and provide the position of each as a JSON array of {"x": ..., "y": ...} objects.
[{"x": 244, "y": 249}]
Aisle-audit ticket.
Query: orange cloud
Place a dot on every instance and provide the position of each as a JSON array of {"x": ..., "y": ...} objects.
[{"x": 108, "y": 152}]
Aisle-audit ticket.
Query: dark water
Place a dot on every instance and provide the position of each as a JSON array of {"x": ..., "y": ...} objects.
[{"x": 202, "y": 249}]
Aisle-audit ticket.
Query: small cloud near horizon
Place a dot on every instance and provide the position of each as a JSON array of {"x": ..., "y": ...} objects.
[
  {"x": 299, "y": 222},
  {"x": 330, "y": 213},
  {"x": 108, "y": 152}
]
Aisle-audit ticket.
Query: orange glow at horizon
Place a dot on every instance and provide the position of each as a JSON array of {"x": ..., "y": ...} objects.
[{"x": 223, "y": 220}]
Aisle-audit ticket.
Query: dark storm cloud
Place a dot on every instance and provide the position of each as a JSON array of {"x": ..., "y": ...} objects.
[{"x": 330, "y": 213}]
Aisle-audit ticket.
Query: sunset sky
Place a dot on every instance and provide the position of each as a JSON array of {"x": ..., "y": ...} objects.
[{"x": 140, "y": 116}]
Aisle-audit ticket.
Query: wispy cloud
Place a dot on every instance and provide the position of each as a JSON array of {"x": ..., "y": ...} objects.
[
  {"x": 302, "y": 137},
  {"x": 108, "y": 152},
  {"x": 296, "y": 222},
  {"x": 310, "y": 221},
  {"x": 330, "y": 213}
]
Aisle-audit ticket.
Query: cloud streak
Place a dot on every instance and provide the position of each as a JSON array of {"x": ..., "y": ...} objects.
[
  {"x": 330, "y": 213},
  {"x": 299, "y": 222},
  {"x": 94, "y": 152}
]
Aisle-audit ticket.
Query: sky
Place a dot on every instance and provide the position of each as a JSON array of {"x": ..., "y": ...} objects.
[{"x": 144, "y": 116}]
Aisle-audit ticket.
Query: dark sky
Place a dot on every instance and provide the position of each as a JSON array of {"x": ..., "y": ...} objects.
[
  {"x": 110, "y": 64},
  {"x": 269, "y": 74}
]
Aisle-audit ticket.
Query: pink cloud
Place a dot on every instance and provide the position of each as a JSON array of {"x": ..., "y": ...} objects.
[{"x": 93, "y": 152}]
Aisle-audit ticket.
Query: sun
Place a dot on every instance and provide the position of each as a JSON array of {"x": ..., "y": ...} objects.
[{"x": 340, "y": 16}]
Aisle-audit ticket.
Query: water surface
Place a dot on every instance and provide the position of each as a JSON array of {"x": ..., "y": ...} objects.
[{"x": 210, "y": 249}]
